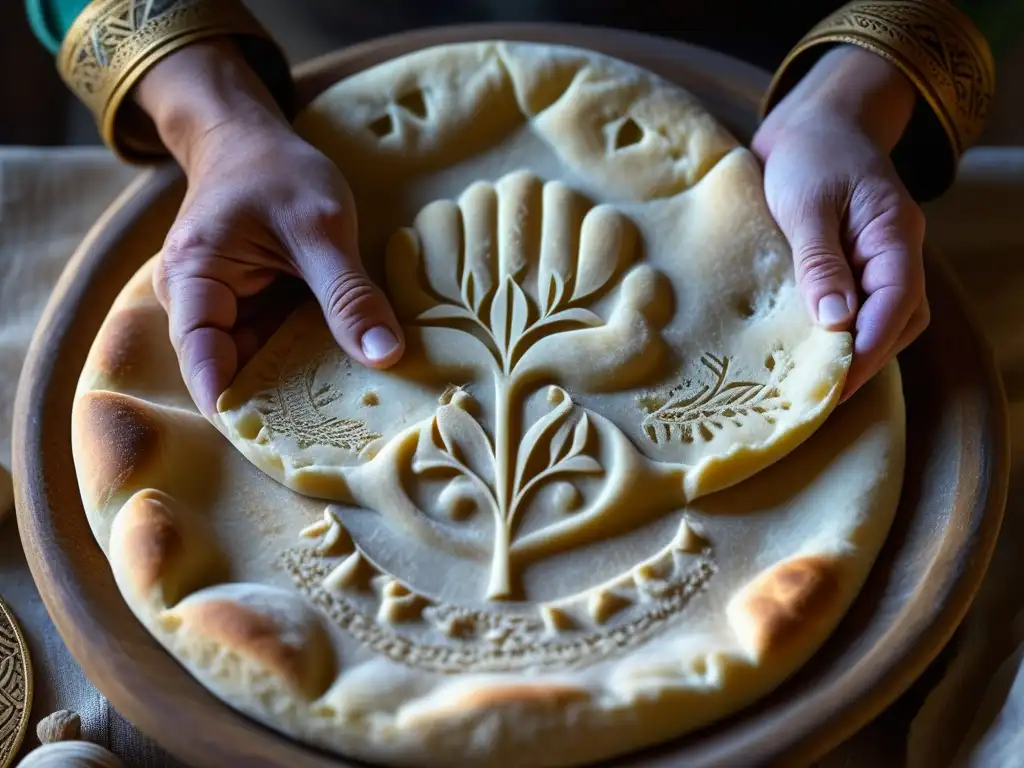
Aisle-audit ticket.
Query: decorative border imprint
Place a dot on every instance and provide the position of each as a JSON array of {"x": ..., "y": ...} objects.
[{"x": 576, "y": 631}]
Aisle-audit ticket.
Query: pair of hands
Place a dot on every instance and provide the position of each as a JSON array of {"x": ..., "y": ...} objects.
[{"x": 265, "y": 212}]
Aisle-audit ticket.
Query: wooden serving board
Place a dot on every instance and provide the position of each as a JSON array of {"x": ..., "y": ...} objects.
[{"x": 919, "y": 590}]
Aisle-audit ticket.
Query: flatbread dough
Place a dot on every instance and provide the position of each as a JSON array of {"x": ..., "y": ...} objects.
[{"x": 605, "y": 498}]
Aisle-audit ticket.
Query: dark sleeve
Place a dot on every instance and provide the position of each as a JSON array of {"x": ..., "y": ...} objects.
[{"x": 1000, "y": 21}]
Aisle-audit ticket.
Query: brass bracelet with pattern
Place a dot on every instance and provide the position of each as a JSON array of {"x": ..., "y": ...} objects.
[
  {"x": 113, "y": 43},
  {"x": 933, "y": 43},
  {"x": 15, "y": 686}
]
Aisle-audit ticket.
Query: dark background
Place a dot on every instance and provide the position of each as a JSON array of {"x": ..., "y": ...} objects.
[{"x": 37, "y": 109}]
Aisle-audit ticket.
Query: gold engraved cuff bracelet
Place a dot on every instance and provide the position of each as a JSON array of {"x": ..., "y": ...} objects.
[
  {"x": 940, "y": 51},
  {"x": 113, "y": 43}
]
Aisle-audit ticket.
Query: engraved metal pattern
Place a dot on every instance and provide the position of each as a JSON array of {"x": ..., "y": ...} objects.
[
  {"x": 485, "y": 288},
  {"x": 15, "y": 686},
  {"x": 935, "y": 45}
]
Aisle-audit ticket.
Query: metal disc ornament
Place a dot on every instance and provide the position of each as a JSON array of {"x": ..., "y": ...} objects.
[{"x": 15, "y": 686}]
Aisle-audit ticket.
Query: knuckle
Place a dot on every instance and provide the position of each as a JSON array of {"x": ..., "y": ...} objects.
[
  {"x": 906, "y": 291},
  {"x": 914, "y": 220},
  {"x": 910, "y": 286},
  {"x": 186, "y": 241},
  {"x": 327, "y": 210},
  {"x": 198, "y": 367},
  {"x": 348, "y": 297},
  {"x": 914, "y": 279},
  {"x": 891, "y": 208},
  {"x": 311, "y": 218},
  {"x": 877, "y": 193},
  {"x": 159, "y": 280},
  {"x": 165, "y": 268},
  {"x": 924, "y": 317},
  {"x": 167, "y": 277},
  {"x": 817, "y": 263}
]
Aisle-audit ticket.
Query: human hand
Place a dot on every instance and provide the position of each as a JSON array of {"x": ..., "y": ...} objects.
[
  {"x": 834, "y": 193},
  {"x": 264, "y": 213}
]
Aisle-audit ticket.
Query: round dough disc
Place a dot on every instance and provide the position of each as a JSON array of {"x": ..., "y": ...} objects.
[{"x": 606, "y": 497}]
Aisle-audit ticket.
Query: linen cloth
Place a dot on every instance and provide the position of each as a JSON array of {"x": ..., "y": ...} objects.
[
  {"x": 49, "y": 198},
  {"x": 968, "y": 711}
]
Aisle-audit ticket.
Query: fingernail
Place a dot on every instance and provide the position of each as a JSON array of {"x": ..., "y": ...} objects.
[
  {"x": 833, "y": 309},
  {"x": 378, "y": 343}
]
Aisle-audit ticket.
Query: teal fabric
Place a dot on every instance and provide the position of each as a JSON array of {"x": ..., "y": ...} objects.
[{"x": 51, "y": 19}]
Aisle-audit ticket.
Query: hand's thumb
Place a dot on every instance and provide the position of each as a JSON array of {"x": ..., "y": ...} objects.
[
  {"x": 822, "y": 272},
  {"x": 357, "y": 312}
]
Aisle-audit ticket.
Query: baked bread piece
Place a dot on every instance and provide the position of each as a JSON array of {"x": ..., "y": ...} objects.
[{"x": 605, "y": 498}]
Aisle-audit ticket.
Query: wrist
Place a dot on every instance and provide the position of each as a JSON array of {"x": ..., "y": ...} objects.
[
  {"x": 852, "y": 85},
  {"x": 201, "y": 89}
]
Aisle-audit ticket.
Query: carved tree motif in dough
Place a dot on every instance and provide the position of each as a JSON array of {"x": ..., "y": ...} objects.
[
  {"x": 454, "y": 445},
  {"x": 449, "y": 639},
  {"x": 519, "y": 283}
]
